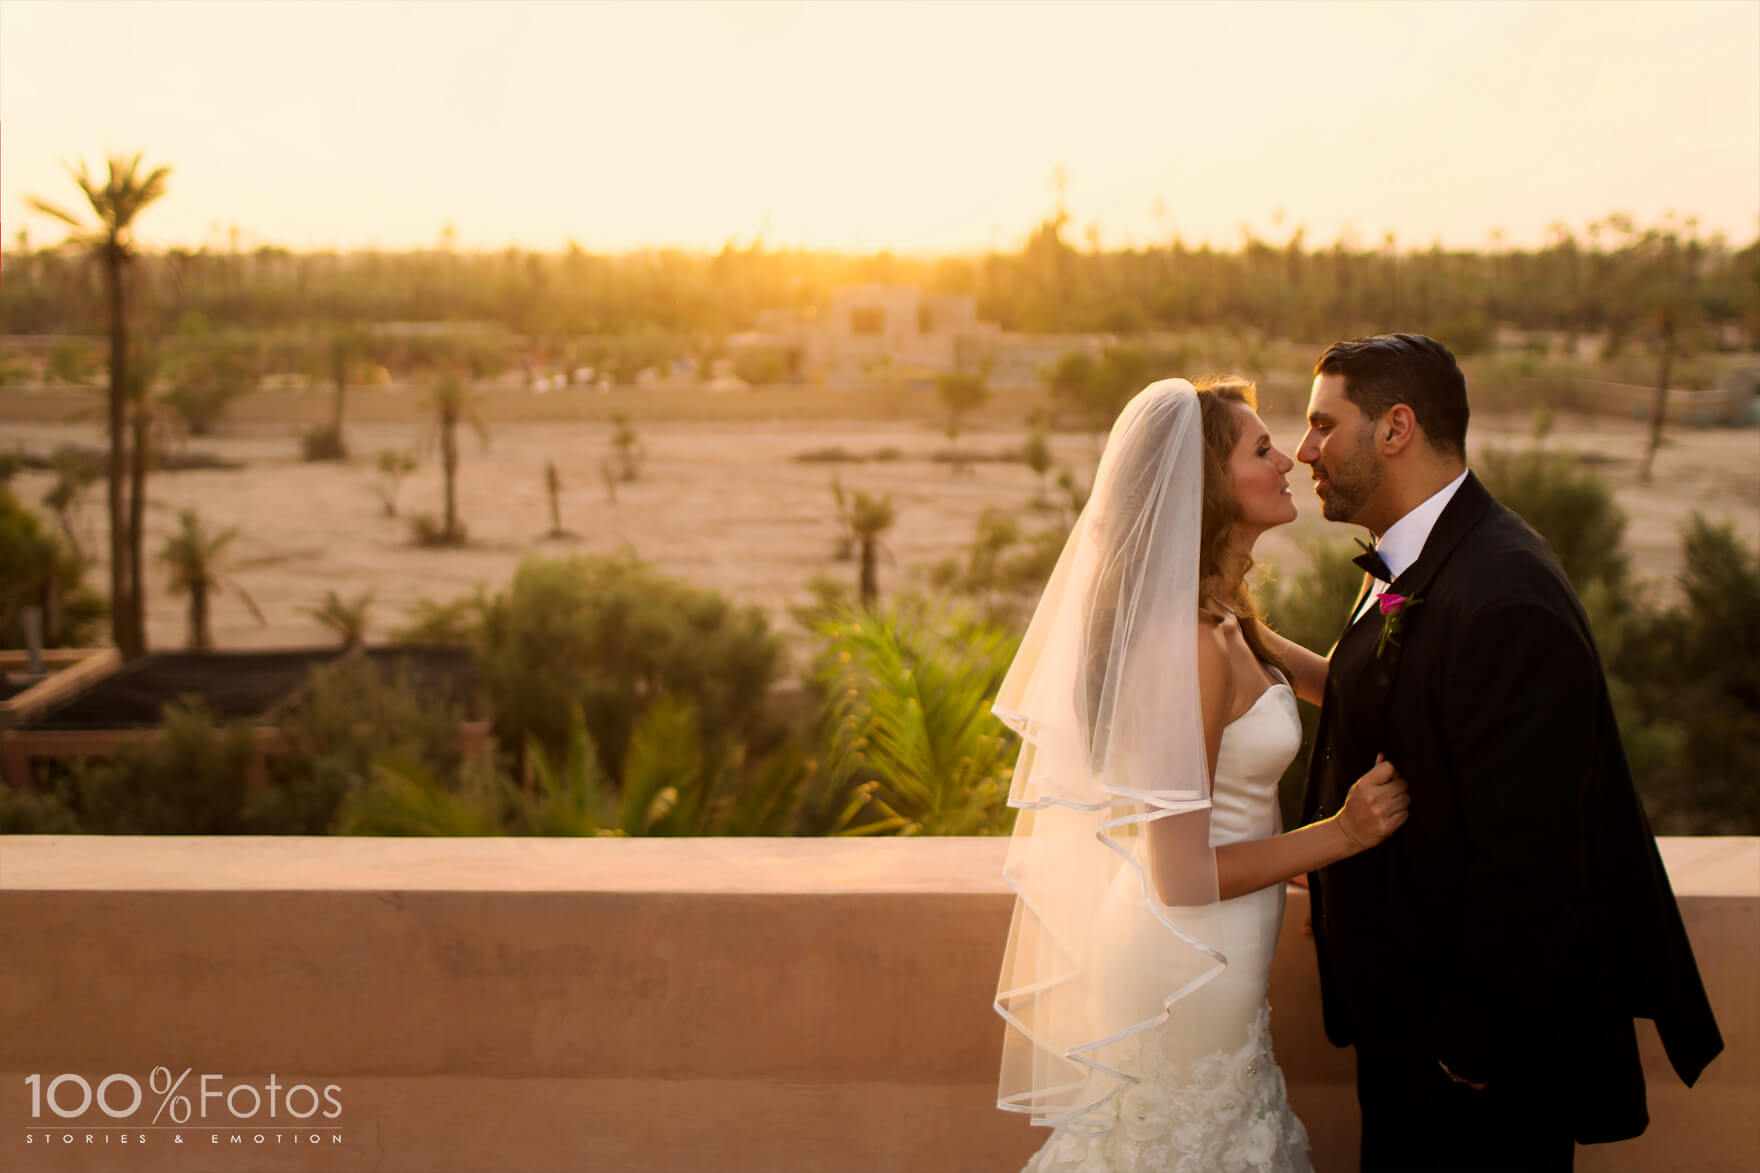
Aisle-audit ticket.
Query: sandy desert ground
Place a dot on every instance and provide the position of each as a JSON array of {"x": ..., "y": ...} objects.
[{"x": 722, "y": 504}]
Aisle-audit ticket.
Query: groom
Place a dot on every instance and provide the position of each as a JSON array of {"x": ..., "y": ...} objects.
[{"x": 1488, "y": 959}]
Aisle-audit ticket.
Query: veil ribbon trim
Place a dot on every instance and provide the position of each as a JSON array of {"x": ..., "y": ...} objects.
[{"x": 1110, "y": 856}]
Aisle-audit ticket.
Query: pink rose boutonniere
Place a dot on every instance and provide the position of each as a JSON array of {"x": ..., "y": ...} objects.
[{"x": 1393, "y": 614}]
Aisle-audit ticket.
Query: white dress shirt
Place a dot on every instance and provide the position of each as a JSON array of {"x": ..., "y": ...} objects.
[{"x": 1404, "y": 540}]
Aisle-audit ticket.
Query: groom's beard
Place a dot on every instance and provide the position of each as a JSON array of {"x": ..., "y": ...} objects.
[{"x": 1346, "y": 488}]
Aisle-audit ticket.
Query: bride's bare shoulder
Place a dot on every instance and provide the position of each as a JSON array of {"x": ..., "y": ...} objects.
[{"x": 1214, "y": 673}]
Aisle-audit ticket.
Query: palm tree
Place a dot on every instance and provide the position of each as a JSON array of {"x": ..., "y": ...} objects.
[
  {"x": 869, "y": 517},
  {"x": 348, "y": 620},
  {"x": 193, "y": 556},
  {"x": 629, "y": 448},
  {"x": 453, "y": 403},
  {"x": 394, "y": 465},
  {"x": 145, "y": 422},
  {"x": 116, "y": 205},
  {"x": 346, "y": 347},
  {"x": 1665, "y": 317},
  {"x": 1036, "y": 455},
  {"x": 846, "y": 534},
  {"x": 553, "y": 489},
  {"x": 1075, "y": 494},
  {"x": 72, "y": 474},
  {"x": 342, "y": 348}
]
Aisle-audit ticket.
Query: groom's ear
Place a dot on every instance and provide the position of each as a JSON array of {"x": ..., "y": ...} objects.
[{"x": 1396, "y": 430}]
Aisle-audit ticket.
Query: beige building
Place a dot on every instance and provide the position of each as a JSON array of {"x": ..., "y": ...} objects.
[{"x": 876, "y": 333}]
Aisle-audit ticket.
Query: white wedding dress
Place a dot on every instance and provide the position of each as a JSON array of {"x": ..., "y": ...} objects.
[{"x": 1212, "y": 1099}]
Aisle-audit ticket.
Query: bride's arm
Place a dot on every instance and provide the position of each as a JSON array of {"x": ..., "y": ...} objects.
[
  {"x": 1373, "y": 810},
  {"x": 1307, "y": 668},
  {"x": 1375, "y": 806},
  {"x": 1182, "y": 839}
]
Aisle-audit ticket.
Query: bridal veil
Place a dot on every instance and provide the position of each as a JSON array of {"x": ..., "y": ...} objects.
[{"x": 1112, "y": 839}]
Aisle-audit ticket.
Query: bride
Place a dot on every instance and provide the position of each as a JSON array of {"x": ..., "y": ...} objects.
[{"x": 1156, "y": 714}]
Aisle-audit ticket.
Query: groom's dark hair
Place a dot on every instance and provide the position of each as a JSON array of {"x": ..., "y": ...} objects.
[{"x": 1419, "y": 372}]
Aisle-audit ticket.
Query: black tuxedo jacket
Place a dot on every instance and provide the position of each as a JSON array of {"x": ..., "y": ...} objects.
[{"x": 1521, "y": 918}]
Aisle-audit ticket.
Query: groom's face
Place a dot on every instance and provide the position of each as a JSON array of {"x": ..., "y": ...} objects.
[{"x": 1339, "y": 449}]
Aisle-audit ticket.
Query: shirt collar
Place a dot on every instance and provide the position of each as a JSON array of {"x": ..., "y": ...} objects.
[{"x": 1404, "y": 540}]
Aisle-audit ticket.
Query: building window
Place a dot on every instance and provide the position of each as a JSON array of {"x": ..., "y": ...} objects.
[{"x": 867, "y": 319}]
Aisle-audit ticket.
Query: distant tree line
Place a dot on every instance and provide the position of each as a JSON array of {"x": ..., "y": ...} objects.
[{"x": 1616, "y": 279}]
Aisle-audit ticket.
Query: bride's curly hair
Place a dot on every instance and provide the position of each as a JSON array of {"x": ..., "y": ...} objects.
[{"x": 1217, "y": 395}]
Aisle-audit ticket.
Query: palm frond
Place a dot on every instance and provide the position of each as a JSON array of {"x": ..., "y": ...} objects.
[
  {"x": 153, "y": 188},
  {"x": 406, "y": 799},
  {"x": 909, "y": 714},
  {"x": 570, "y": 797},
  {"x": 870, "y": 515},
  {"x": 56, "y": 212},
  {"x": 232, "y": 585},
  {"x": 768, "y": 797},
  {"x": 193, "y": 555},
  {"x": 665, "y": 752},
  {"x": 478, "y": 425}
]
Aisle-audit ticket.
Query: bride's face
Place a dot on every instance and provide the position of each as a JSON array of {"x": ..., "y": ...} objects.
[{"x": 1259, "y": 475}]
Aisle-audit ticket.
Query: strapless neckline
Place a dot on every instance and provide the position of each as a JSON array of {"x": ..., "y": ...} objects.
[{"x": 1259, "y": 700}]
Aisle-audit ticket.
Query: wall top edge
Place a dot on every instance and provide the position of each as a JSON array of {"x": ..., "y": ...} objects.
[{"x": 1723, "y": 866}]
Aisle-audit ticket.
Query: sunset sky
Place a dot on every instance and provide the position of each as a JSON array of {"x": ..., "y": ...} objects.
[{"x": 923, "y": 128}]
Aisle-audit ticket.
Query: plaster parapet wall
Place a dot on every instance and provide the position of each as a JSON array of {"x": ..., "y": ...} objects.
[{"x": 706, "y": 1004}]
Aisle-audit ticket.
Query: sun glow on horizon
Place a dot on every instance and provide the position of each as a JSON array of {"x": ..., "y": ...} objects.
[{"x": 925, "y": 130}]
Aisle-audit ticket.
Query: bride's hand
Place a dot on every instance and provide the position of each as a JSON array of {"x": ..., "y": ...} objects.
[{"x": 1375, "y": 807}]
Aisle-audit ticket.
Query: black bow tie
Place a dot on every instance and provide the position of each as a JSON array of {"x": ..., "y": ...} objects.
[{"x": 1370, "y": 560}]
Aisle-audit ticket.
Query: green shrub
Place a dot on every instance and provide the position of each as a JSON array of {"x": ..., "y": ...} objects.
[
  {"x": 45, "y": 811},
  {"x": 1005, "y": 567},
  {"x": 1691, "y": 675},
  {"x": 427, "y": 530},
  {"x": 322, "y": 442},
  {"x": 1311, "y": 606},
  {"x": 457, "y": 622},
  {"x": 1568, "y": 505},
  {"x": 207, "y": 376},
  {"x": 1466, "y": 335},
  {"x": 189, "y": 780},
  {"x": 351, "y": 713},
  {"x": 37, "y": 568},
  {"x": 760, "y": 365},
  {"x": 613, "y": 636}
]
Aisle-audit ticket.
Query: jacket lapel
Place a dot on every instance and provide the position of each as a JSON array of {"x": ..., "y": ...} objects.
[
  {"x": 1463, "y": 511},
  {"x": 1351, "y": 619},
  {"x": 1371, "y": 685}
]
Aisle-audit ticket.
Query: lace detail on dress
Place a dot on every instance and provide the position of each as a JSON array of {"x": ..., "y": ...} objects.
[{"x": 1222, "y": 1114}]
